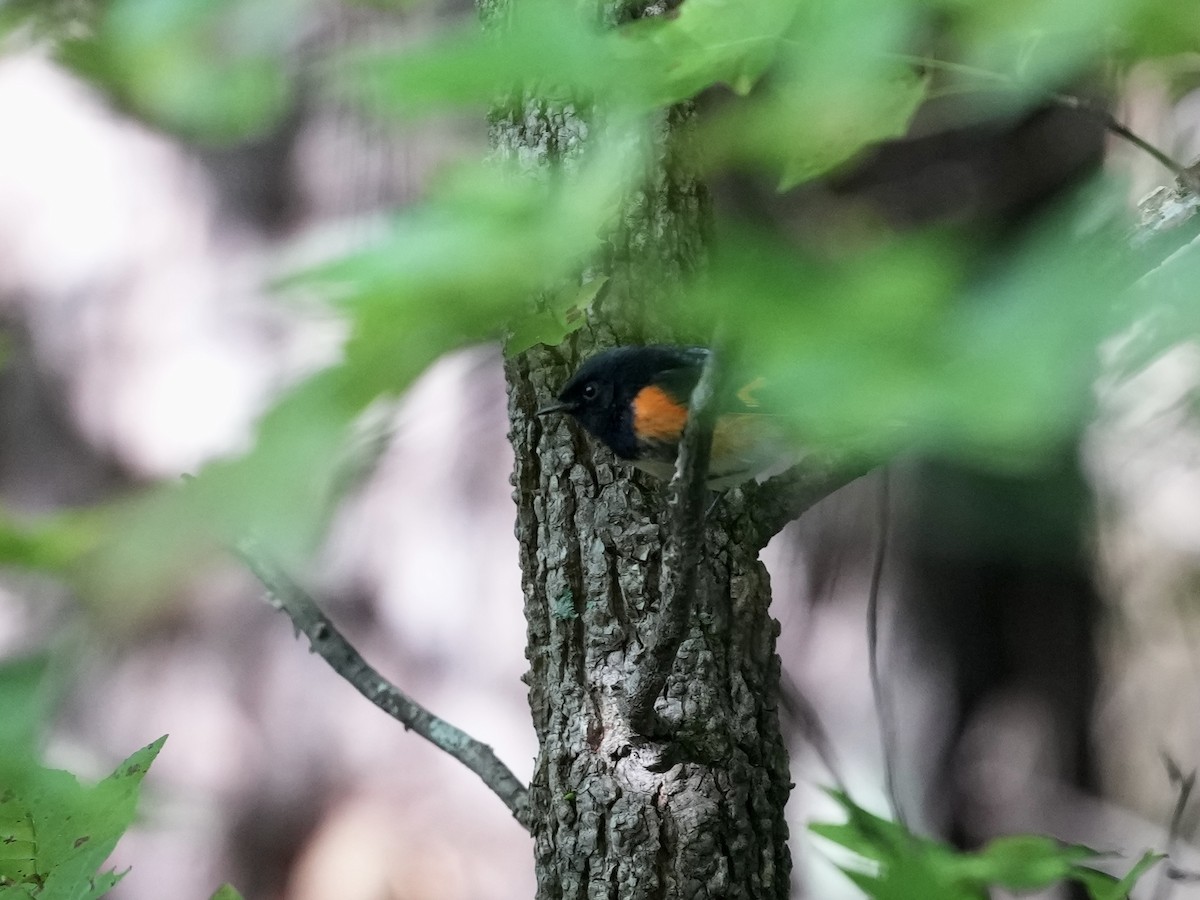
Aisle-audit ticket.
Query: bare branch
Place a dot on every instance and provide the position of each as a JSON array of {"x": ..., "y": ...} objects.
[
  {"x": 779, "y": 500},
  {"x": 327, "y": 641},
  {"x": 1187, "y": 177},
  {"x": 1185, "y": 783},
  {"x": 803, "y": 714},
  {"x": 681, "y": 551},
  {"x": 888, "y": 736}
]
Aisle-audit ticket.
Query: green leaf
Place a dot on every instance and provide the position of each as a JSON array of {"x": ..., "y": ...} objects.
[
  {"x": 58, "y": 833},
  {"x": 559, "y": 315},
  {"x": 906, "y": 344},
  {"x": 281, "y": 492},
  {"x": 52, "y": 545},
  {"x": 894, "y": 864},
  {"x": 78, "y": 827},
  {"x": 1023, "y": 862},
  {"x": 709, "y": 42},
  {"x": 549, "y": 50},
  {"x": 544, "y": 48},
  {"x": 835, "y": 132},
  {"x": 1102, "y": 886},
  {"x": 1041, "y": 42},
  {"x": 452, "y": 271},
  {"x": 226, "y": 892},
  {"x": 211, "y": 69},
  {"x": 24, "y": 706},
  {"x": 837, "y": 86},
  {"x": 461, "y": 267},
  {"x": 1161, "y": 27},
  {"x": 865, "y": 833},
  {"x": 18, "y": 844}
]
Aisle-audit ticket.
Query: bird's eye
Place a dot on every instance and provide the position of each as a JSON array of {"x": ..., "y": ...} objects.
[{"x": 590, "y": 390}]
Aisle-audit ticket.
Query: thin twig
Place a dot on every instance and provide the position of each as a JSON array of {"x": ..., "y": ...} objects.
[
  {"x": 1189, "y": 178},
  {"x": 327, "y": 641},
  {"x": 808, "y": 722},
  {"x": 681, "y": 552},
  {"x": 1069, "y": 101},
  {"x": 1185, "y": 783},
  {"x": 883, "y": 710}
]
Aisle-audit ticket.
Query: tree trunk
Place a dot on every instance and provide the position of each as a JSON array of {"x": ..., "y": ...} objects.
[{"x": 698, "y": 814}]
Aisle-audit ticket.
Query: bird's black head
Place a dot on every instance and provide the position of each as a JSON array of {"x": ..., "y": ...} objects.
[{"x": 600, "y": 394}]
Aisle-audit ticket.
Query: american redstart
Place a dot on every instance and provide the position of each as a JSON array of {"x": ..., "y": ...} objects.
[{"x": 635, "y": 400}]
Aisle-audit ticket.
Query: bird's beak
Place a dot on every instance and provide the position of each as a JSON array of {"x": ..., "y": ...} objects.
[{"x": 556, "y": 406}]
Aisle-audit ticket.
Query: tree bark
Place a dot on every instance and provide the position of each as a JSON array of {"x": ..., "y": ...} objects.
[{"x": 696, "y": 812}]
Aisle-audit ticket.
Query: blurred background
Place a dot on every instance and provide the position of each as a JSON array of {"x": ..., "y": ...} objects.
[{"x": 1041, "y": 626}]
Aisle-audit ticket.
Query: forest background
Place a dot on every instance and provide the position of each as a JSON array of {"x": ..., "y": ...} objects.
[{"x": 265, "y": 246}]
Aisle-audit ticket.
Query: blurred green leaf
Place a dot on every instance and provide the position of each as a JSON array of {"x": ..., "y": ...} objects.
[
  {"x": 559, "y": 314},
  {"x": 838, "y": 85},
  {"x": 18, "y": 845},
  {"x": 455, "y": 270},
  {"x": 707, "y": 42},
  {"x": 1102, "y": 886},
  {"x": 226, "y": 892},
  {"x": 894, "y": 864},
  {"x": 850, "y": 348},
  {"x": 1036, "y": 42},
  {"x": 212, "y": 69},
  {"x": 459, "y": 269},
  {"x": 281, "y": 492},
  {"x": 545, "y": 48},
  {"x": 909, "y": 344},
  {"x": 24, "y": 705},
  {"x": 835, "y": 131},
  {"x": 836, "y": 92},
  {"x": 1159, "y": 28},
  {"x": 1161, "y": 308},
  {"x": 1024, "y": 862},
  {"x": 52, "y": 545},
  {"x": 868, "y": 835},
  {"x": 552, "y": 51}
]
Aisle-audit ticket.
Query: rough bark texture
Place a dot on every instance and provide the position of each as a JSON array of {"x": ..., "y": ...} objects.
[{"x": 699, "y": 813}]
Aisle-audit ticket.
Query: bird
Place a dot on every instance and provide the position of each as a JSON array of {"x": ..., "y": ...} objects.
[{"x": 634, "y": 400}]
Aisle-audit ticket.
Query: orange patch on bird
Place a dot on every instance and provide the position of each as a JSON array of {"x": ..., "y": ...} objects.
[{"x": 657, "y": 416}]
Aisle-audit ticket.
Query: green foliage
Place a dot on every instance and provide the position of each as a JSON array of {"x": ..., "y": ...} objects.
[
  {"x": 468, "y": 256},
  {"x": 213, "y": 69},
  {"x": 23, "y": 708},
  {"x": 226, "y": 892},
  {"x": 55, "y": 834},
  {"x": 873, "y": 342},
  {"x": 47, "y": 545},
  {"x": 557, "y": 316},
  {"x": 891, "y": 863}
]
